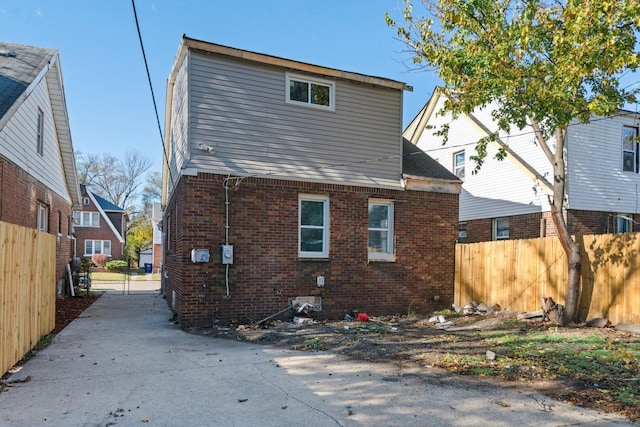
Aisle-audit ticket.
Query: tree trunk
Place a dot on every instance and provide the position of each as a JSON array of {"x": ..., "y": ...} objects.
[{"x": 570, "y": 247}]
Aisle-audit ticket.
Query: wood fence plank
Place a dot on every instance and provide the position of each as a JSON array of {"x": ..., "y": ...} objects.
[{"x": 517, "y": 273}]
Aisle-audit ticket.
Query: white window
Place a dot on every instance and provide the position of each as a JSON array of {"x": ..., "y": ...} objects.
[
  {"x": 381, "y": 230},
  {"x": 462, "y": 232},
  {"x": 630, "y": 157},
  {"x": 313, "y": 220},
  {"x": 500, "y": 229},
  {"x": 85, "y": 201},
  {"x": 40, "y": 133},
  {"x": 458, "y": 164},
  {"x": 42, "y": 222},
  {"x": 311, "y": 92},
  {"x": 86, "y": 219},
  {"x": 624, "y": 223},
  {"x": 93, "y": 247}
]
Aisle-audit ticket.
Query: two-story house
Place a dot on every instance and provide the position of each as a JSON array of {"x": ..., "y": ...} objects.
[
  {"x": 508, "y": 199},
  {"x": 38, "y": 178},
  {"x": 100, "y": 227},
  {"x": 288, "y": 181}
]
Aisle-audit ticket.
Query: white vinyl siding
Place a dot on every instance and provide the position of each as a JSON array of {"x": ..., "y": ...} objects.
[
  {"x": 18, "y": 139},
  {"x": 500, "y": 187},
  {"x": 596, "y": 180},
  {"x": 239, "y": 109}
]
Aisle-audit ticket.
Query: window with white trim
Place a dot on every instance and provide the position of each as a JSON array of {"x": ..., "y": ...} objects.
[
  {"x": 500, "y": 229},
  {"x": 311, "y": 92},
  {"x": 42, "y": 221},
  {"x": 86, "y": 219},
  {"x": 458, "y": 164},
  {"x": 630, "y": 155},
  {"x": 381, "y": 230},
  {"x": 313, "y": 226},
  {"x": 40, "y": 133},
  {"x": 94, "y": 247},
  {"x": 462, "y": 232},
  {"x": 624, "y": 223}
]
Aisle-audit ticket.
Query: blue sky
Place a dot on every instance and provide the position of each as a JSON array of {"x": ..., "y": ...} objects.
[{"x": 108, "y": 96}]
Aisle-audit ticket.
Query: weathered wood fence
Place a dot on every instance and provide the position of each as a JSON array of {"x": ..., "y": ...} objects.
[
  {"x": 27, "y": 290},
  {"x": 516, "y": 273}
]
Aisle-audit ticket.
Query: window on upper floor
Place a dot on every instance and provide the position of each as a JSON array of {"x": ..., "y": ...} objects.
[
  {"x": 86, "y": 219},
  {"x": 40, "y": 133},
  {"x": 42, "y": 221},
  {"x": 94, "y": 247},
  {"x": 458, "y": 164},
  {"x": 311, "y": 92},
  {"x": 313, "y": 226},
  {"x": 500, "y": 228},
  {"x": 381, "y": 230},
  {"x": 630, "y": 155}
]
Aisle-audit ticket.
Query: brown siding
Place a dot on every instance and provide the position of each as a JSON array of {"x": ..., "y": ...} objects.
[
  {"x": 20, "y": 194},
  {"x": 263, "y": 221}
]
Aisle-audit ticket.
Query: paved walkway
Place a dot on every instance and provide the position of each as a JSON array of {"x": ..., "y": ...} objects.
[{"x": 123, "y": 363}]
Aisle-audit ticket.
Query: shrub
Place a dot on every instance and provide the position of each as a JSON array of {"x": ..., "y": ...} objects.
[
  {"x": 116, "y": 265},
  {"x": 100, "y": 259}
]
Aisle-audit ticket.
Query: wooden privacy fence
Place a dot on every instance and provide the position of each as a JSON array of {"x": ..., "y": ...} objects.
[
  {"x": 27, "y": 290},
  {"x": 516, "y": 273}
]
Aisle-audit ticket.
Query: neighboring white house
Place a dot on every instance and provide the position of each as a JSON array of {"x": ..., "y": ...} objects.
[
  {"x": 38, "y": 177},
  {"x": 508, "y": 199}
]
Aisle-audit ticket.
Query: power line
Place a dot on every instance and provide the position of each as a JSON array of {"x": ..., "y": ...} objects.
[{"x": 153, "y": 97}]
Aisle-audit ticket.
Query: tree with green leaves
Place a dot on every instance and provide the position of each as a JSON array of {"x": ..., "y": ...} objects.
[{"x": 543, "y": 63}]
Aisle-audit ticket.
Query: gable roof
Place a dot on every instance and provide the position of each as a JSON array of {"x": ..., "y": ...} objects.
[
  {"x": 105, "y": 206},
  {"x": 21, "y": 69},
  {"x": 414, "y": 131}
]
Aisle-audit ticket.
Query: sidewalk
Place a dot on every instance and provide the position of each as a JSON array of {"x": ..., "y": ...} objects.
[{"x": 123, "y": 363}]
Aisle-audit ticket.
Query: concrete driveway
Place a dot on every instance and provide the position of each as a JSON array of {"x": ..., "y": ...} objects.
[{"x": 123, "y": 363}]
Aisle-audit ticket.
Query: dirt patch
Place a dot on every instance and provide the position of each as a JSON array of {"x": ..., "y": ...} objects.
[
  {"x": 68, "y": 308},
  {"x": 417, "y": 342}
]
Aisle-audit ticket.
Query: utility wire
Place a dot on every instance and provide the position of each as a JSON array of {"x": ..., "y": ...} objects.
[{"x": 153, "y": 97}]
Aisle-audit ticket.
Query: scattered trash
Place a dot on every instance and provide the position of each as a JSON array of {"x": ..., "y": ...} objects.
[
  {"x": 491, "y": 355},
  {"x": 362, "y": 317},
  {"x": 300, "y": 320}
]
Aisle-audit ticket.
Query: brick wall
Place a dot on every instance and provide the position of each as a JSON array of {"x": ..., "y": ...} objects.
[
  {"x": 20, "y": 194},
  {"x": 528, "y": 226},
  {"x": 263, "y": 227}
]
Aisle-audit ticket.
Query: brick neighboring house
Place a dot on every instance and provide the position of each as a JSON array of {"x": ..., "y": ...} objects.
[
  {"x": 288, "y": 180},
  {"x": 100, "y": 227},
  {"x": 38, "y": 178},
  {"x": 508, "y": 199}
]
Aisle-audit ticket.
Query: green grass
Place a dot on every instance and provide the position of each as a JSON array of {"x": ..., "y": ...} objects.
[
  {"x": 120, "y": 277},
  {"x": 595, "y": 360}
]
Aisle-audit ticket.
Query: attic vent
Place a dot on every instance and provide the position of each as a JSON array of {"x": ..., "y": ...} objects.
[{"x": 7, "y": 53}]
